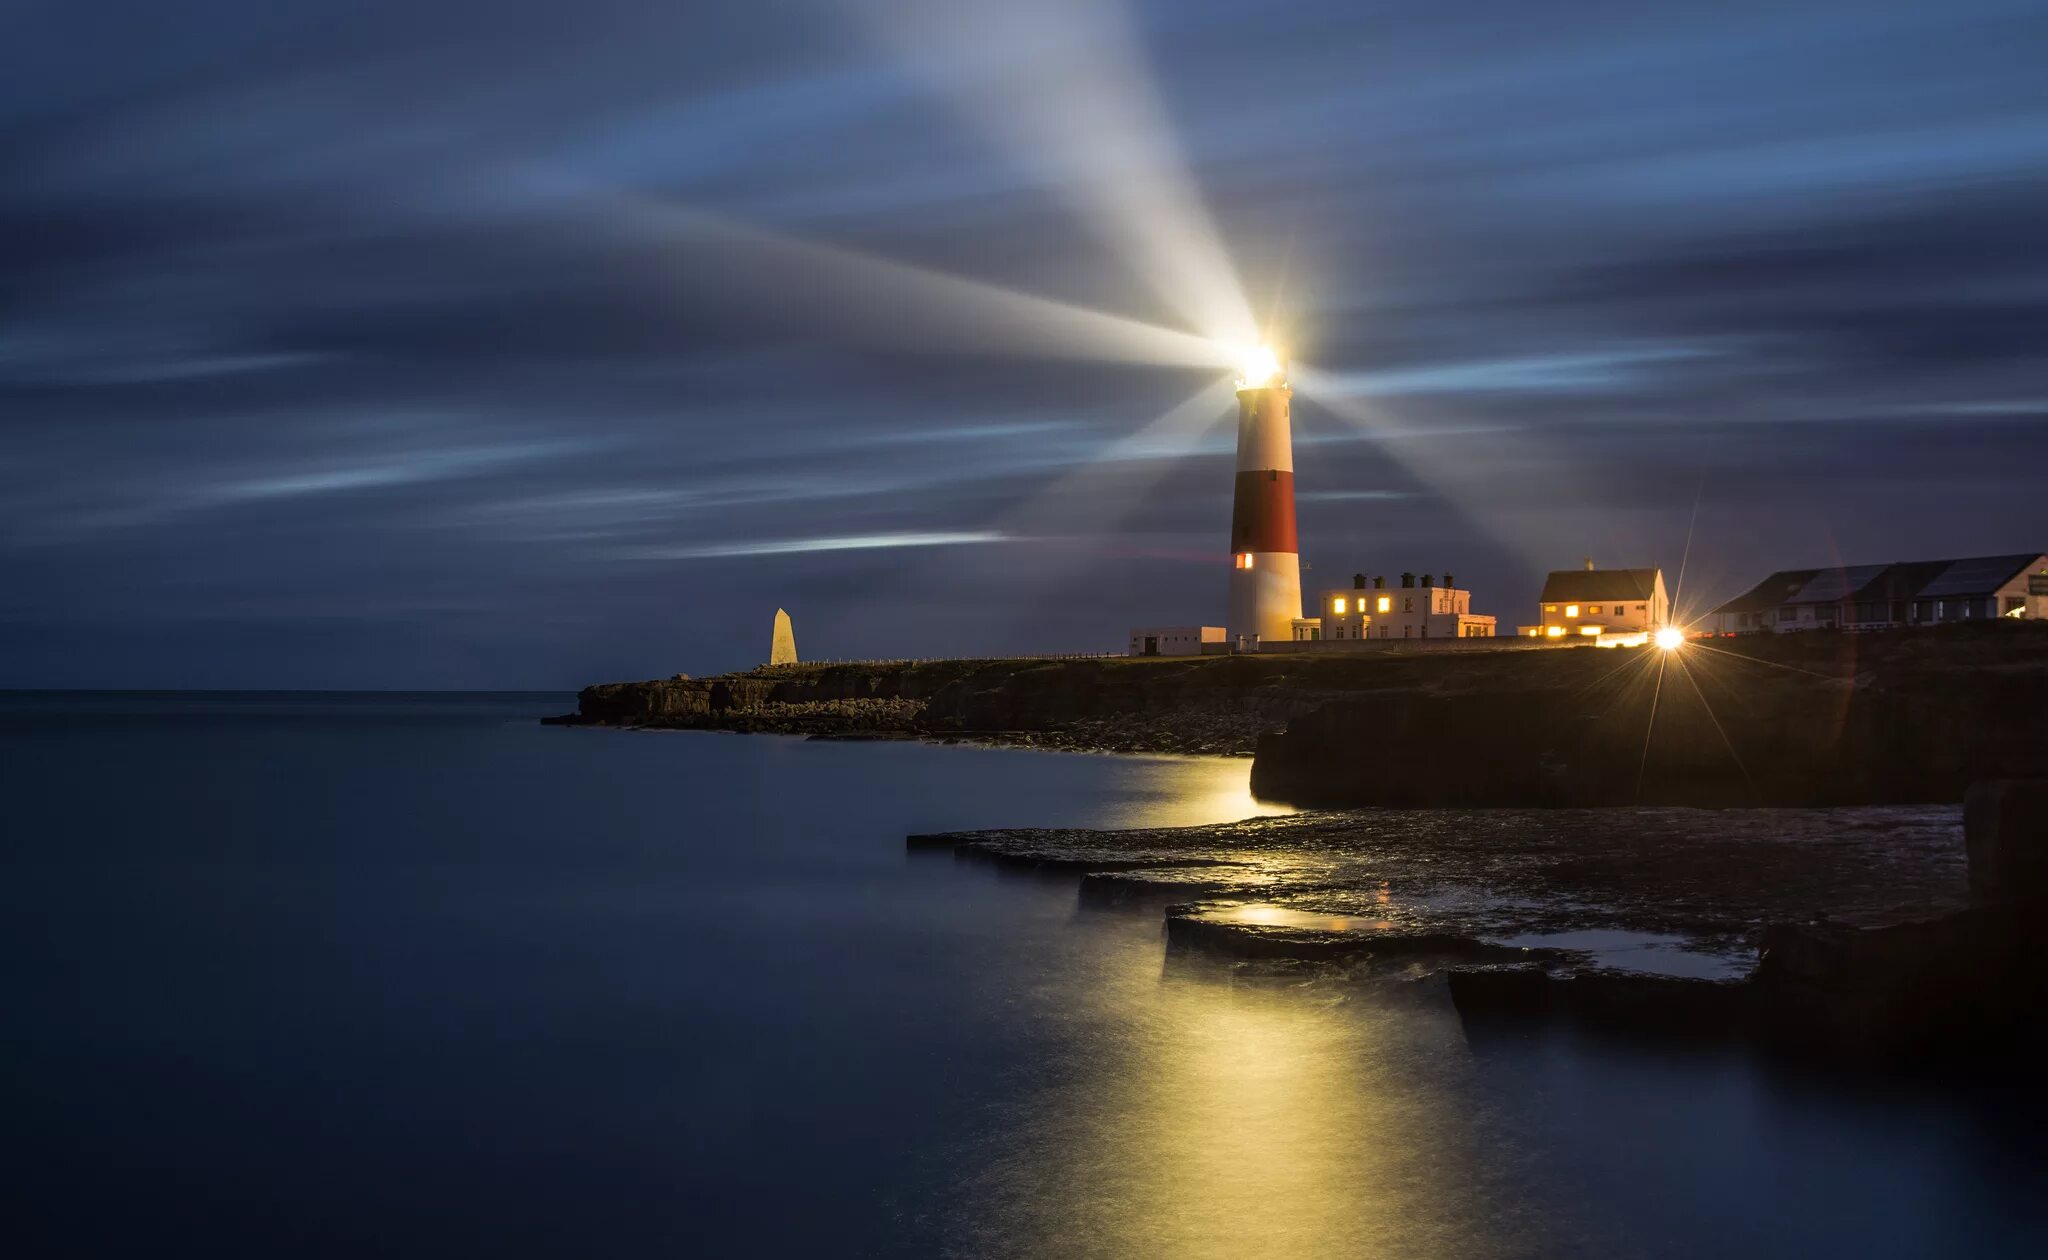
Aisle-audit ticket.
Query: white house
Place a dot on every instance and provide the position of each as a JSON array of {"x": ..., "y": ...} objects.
[
  {"x": 1605, "y": 604},
  {"x": 1178, "y": 641},
  {"x": 1370, "y": 609}
]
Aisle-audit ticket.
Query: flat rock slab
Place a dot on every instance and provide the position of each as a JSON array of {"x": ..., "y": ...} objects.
[{"x": 1662, "y": 891}]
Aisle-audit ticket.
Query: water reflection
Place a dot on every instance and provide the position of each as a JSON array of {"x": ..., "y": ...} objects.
[
  {"x": 1187, "y": 792},
  {"x": 1193, "y": 1117}
]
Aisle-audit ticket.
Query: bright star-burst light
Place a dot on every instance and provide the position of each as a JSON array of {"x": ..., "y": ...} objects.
[
  {"x": 1258, "y": 366},
  {"x": 1670, "y": 638}
]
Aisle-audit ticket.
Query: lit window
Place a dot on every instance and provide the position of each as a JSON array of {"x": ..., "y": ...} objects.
[
  {"x": 1556, "y": 632},
  {"x": 1571, "y": 610},
  {"x": 1386, "y": 603},
  {"x": 1244, "y": 559},
  {"x": 1591, "y": 629},
  {"x": 1337, "y": 606},
  {"x": 1595, "y": 610},
  {"x": 1550, "y": 608}
]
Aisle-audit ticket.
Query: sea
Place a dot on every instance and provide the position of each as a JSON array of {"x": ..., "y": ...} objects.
[{"x": 394, "y": 974}]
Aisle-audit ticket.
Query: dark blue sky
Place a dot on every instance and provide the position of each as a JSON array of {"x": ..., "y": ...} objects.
[{"x": 455, "y": 344}]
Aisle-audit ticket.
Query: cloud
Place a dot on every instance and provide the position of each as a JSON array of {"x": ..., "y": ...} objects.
[
  {"x": 807, "y": 546},
  {"x": 320, "y": 308}
]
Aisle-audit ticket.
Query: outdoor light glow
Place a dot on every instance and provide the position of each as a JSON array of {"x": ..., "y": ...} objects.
[
  {"x": 1670, "y": 637},
  {"x": 1258, "y": 366}
]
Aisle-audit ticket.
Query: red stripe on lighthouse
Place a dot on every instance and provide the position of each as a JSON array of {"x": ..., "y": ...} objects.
[{"x": 1262, "y": 514}]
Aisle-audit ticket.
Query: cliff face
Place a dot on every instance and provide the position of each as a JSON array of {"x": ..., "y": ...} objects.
[
  {"x": 1793, "y": 720},
  {"x": 1816, "y": 719}
]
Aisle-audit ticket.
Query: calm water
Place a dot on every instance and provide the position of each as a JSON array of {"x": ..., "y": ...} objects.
[{"x": 319, "y": 974}]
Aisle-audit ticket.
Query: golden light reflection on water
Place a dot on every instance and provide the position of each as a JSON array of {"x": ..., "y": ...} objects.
[
  {"x": 1191, "y": 1117},
  {"x": 1190, "y": 791},
  {"x": 1180, "y": 1114},
  {"x": 1283, "y": 916}
]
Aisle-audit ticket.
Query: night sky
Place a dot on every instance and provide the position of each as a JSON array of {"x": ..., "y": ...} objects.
[{"x": 467, "y": 345}]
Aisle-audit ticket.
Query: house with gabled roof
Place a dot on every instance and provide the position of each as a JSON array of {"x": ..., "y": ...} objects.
[{"x": 1603, "y": 604}]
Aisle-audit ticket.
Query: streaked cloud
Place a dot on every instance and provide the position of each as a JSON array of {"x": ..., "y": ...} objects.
[
  {"x": 1529, "y": 374},
  {"x": 806, "y": 546},
  {"x": 315, "y": 308}
]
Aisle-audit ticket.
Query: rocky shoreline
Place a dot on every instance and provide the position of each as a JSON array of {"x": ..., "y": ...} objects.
[
  {"x": 1747, "y": 837},
  {"x": 1798, "y": 720},
  {"x": 1867, "y": 934},
  {"x": 1209, "y": 706}
]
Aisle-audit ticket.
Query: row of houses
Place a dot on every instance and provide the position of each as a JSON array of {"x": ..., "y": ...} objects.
[
  {"x": 1882, "y": 596},
  {"x": 1626, "y": 607}
]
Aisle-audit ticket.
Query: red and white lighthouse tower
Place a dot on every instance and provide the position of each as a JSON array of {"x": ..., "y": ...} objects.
[{"x": 1265, "y": 558}]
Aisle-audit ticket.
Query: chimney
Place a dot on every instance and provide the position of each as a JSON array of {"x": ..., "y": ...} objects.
[
  {"x": 1428, "y": 579},
  {"x": 1449, "y": 581},
  {"x": 1358, "y": 581},
  {"x": 1379, "y": 584},
  {"x": 1407, "y": 581}
]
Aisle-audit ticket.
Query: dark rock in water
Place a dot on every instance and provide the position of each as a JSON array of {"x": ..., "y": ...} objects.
[
  {"x": 2005, "y": 826},
  {"x": 1941, "y": 988},
  {"x": 1605, "y": 998},
  {"x": 1625, "y": 920}
]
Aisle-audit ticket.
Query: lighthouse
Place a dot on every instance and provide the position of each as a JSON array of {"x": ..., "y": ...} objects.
[{"x": 1265, "y": 558}]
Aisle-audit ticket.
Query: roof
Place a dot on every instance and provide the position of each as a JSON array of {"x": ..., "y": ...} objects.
[
  {"x": 1832, "y": 586},
  {"x": 1588, "y": 585},
  {"x": 1769, "y": 593},
  {"x": 1979, "y": 576},
  {"x": 1869, "y": 583}
]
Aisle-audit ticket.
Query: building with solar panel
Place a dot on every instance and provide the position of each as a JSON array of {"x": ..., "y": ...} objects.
[{"x": 1882, "y": 596}]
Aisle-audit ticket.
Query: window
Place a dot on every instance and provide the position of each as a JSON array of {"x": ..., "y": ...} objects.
[
  {"x": 2015, "y": 603},
  {"x": 1550, "y": 608},
  {"x": 1337, "y": 606},
  {"x": 1406, "y": 632},
  {"x": 1556, "y": 632},
  {"x": 1595, "y": 610},
  {"x": 1244, "y": 559},
  {"x": 1408, "y": 604},
  {"x": 1386, "y": 603},
  {"x": 1788, "y": 613},
  {"x": 1571, "y": 610},
  {"x": 1642, "y": 608}
]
